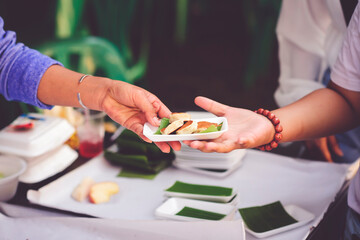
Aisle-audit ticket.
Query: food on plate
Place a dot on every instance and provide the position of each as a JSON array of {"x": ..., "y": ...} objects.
[
  {"x": 96, "y": 192},
  {"x": 188, "y": 128},
  {"x": 203, "y": 126},
  {"x": 180, "y": 123},
  {"x": 172, "y": 127},
  {"x": 81, "y": 192},
  {"x": 102, "y": 191},
  {"x": 163, "y": 124},
  {"x": 179, "y": 116}
]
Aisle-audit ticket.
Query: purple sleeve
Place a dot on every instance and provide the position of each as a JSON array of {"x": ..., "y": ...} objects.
[{"x": 21, "y": 69}]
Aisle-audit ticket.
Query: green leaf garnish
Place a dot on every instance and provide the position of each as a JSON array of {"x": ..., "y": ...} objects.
[
  {"x": 212, "y": 128},
  {"x": 267, "y": 217},
  {"x": 182, "y": 187},
  {"x": 219, "y": 126},
  {"x": 198, "y": 213},
  {"x": 163, "y": 124},
  {"x": 2, "y": 175}
]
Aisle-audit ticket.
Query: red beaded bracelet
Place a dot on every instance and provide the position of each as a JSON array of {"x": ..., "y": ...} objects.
[{"x": 278, "y": 129}]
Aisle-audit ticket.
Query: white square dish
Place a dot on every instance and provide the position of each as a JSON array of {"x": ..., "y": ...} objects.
[
  {"x": 149, "y": 131},
  {"x": 172, "y": 206},
  {"x": 301, "y": 215},
  {"x": 218, "y": 173}
]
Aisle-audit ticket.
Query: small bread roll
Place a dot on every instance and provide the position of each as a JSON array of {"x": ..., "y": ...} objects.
[
  {"x": 188, "y": 128},
  {"x": 82, "y": 190},
  {"x": 203, "y": 125},
  {"x": 179, "y": 116},
  {"x": 172, "y": 127}
]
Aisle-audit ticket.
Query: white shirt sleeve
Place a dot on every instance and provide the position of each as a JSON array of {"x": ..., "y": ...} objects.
[
  {"x": 346, "y": 71},
  {"x": 302, "y": 56}
]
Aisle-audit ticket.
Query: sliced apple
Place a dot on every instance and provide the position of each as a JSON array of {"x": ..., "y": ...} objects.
[
  {"x": 81, "y": 192},
  {"x": 102, "y": 191}
]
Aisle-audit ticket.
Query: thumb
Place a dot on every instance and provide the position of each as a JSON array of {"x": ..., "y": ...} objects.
[{"x": 211, "y": 106}]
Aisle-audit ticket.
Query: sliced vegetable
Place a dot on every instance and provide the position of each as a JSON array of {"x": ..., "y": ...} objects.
[
  {"x": 219, "y": 126},
  {"x": 212, "y": 128},
  {"x": 163, "y": 124}
]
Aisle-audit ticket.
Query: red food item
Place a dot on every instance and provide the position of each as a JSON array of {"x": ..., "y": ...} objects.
[
  {"x": 89, "y": 149},
  {"x": 23, "y": 127}
]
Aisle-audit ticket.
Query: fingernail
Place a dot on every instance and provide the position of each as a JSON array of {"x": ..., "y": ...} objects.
[{"x": 156, "y": 120}]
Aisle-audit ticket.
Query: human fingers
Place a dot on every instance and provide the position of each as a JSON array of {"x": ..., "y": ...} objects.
[
  {"x": 175, "y": 145},
  {"x": 160, "y": 108},
  {"x": 335, "y": 146},
  {"x": 211, "y": 106},
  {"x": 324, "y": 149},
  {"x": 163, "y": 146},
  {"x": 142, "y": 102},
  {"x": 220, "y": 147}
]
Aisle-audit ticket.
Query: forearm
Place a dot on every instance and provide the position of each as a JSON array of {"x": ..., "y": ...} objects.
[
  {"x": 59, "y": 86},
  {"x": 310, "y": 118}
]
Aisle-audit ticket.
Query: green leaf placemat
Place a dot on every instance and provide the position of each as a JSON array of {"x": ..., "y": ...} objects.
[
  {"x": 182, "y": 187},
  {"x": 202, "y": 214},
  {"x": 138, "y": 158},
  {"x": 128, "y": 173},
  {"x": 131, "y": 147},
  {"x": 136, "y": 161},
  {"x": 129, "y": 135},
  {"x": 267, "y": 217}
]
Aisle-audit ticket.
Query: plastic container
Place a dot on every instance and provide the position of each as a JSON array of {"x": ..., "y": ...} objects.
[
  {"x": 11, "y": 168},
  {"x": 47, "y": 134},
  {"x": 48, "y": 164}
]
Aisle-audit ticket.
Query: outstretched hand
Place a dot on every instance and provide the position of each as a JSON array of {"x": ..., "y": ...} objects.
[
  {"x": 326, "y": 146},
  {"x": 246, "y": 128},
  {"x": 132, "y": 107}
]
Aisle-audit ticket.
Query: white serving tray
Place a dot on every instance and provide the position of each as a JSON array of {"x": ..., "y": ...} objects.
[
  {"x": 48, "y": 164},
  {"x": 301, "y": 215},
  {"x": 172, "y": 206},
  {"x": 149, "y": 131},
  {"x": 202, "y": 171},
  {"x": 190, "y": 153},
  {"x": 202, "y": 161},
  {"x": 46, "y": 135}
]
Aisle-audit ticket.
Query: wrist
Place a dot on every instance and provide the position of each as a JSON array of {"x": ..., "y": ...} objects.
[
  {"x": 275, "y": 130},
  {"x": 93, "y": 91}
]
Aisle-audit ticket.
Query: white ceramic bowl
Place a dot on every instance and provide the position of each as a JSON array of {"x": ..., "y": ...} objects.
[{"x": 11, "y": 167}]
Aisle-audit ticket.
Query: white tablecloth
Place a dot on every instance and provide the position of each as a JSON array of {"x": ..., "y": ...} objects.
[{"x": 263, "y": 178}]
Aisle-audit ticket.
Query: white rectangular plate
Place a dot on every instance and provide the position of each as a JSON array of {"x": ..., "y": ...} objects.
[
  {"x": 301, "y": 215},
  {"x": 203, "y": 171},
  {"x": 172, "y": 206},
  {"x": 149, "y": 131},
  {"x": 208, "y": 163}
]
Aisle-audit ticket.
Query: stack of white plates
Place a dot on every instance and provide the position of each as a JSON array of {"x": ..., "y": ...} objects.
[
  {"x": 200, "y": 198},
  {"x": 42, "y": 146},
  {"x": 212, "y": 164}
]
